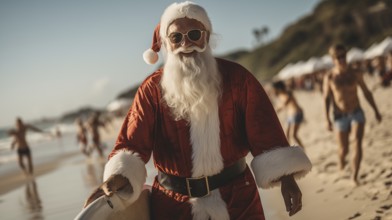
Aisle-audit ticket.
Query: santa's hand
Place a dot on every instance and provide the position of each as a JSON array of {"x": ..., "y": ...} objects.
[
  {"x": 112, "y": 185},
  {"x": 291, "y": 194}
]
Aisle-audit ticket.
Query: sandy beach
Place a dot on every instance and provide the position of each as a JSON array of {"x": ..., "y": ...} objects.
[
  {"x": 59, "y": 187},
  {"x": 328, "y": 192}
]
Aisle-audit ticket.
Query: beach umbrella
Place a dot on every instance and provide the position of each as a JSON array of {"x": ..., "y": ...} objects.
[{"x": 355, "y": 54}]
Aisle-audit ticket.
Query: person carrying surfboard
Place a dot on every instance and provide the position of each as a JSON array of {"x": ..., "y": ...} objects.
[{"x": 199, "y": 116}]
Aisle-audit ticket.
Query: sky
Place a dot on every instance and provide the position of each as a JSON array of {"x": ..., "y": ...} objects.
[{"x": 59, "y": 55}]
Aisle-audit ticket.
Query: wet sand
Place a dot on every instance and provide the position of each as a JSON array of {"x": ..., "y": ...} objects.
[{"x": 60, "y": 188}]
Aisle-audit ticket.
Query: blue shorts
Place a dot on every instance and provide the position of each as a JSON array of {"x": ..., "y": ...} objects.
[
  {"x": 343, "y": 121},
  {"x": 295, "y": 119}
]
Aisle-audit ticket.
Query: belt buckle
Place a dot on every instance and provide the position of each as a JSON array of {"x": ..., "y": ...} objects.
[{"x": 188, "y": 187}]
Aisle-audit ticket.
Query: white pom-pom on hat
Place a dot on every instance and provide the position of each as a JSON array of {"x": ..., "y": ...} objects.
[{"x": 150, "y": 56}]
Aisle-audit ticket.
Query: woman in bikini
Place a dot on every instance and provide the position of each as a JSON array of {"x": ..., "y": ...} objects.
[{"x": 295, "y": 114}]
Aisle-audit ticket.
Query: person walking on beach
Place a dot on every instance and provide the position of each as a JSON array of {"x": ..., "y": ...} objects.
[
  {"x": 387, "y": 78},
  {"x": 22, "y": 147},
  {"x": 94, "y": 124},
  {"x": 340, "y": 90},
  {"x": 295, "y": 115},
  {"x": 199, "y": 116},
  {"x": 81, "y": 137}
]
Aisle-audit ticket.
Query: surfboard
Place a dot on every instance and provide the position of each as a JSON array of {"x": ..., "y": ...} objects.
[{"x": 102, "y": 208}]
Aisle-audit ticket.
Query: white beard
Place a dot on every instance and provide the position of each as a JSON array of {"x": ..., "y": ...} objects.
[
  {"x": 191, "y": 85},
  {"x": 192, "y": 89}
]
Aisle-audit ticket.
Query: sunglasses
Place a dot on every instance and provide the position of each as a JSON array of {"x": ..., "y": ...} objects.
[{"x": 192, "y": 35}]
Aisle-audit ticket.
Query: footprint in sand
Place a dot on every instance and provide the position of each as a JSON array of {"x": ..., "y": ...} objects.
[
  {"x": 355, "y": 215},
  {"x": 330, "y": 166},
  {"x": 386, "y": 207}
]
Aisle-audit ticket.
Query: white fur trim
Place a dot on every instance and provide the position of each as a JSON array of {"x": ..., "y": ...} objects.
[
  {"x": 150, "y": 56},
  {"x": 268, "y": 167},
  {"x": 130, "y": 166},
  {"x": 181, "y": 10},
  {"x": 210, "y": 207},
  {"x": 206, "y": 156}
]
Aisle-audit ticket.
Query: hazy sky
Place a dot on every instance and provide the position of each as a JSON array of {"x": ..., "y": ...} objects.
[{"x": 59, "y": 55}]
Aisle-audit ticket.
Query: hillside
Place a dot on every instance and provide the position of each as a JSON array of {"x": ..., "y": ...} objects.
[{"x": 351, "y": 22}]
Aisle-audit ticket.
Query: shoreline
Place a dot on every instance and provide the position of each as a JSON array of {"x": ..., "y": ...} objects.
[
  {"x": 328, "y": 193},
  {"x": 14, "y": 180}
]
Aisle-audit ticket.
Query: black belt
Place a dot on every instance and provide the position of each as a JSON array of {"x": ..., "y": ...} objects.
[{"x": 201, "y": 186}]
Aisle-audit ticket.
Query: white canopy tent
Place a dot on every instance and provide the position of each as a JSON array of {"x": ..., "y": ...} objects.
[
  {"x": 119, "y": 104},
  {"x": 355, "y": 54},
  {"x": 305, "y": 67},
  {"x": 380, "y": 49}
]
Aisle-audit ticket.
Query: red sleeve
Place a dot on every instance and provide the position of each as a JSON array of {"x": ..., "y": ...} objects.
[
  {"x": 137, "y": 131},
  {"x": 263, "y": 127}
]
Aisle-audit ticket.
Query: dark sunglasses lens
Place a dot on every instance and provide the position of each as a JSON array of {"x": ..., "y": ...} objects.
[
  {"x": 194, "y": 35},
  {"x": 175, "y": 38}
]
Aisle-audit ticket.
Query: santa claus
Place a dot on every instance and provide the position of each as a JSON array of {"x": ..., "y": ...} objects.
[{"x": 199, "y": 116}]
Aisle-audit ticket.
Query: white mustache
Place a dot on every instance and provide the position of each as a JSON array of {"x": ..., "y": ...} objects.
[{"x": 189, "y": 49}]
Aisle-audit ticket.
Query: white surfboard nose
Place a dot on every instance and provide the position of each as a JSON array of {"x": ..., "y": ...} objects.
[
  {"x": 105, "y": 208},
  {"x": 99, "y": 210}
]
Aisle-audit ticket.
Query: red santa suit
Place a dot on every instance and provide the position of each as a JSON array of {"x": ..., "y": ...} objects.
[{"x": 247, "y": 124}]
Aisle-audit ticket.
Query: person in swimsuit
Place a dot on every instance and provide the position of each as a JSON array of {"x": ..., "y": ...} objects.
[
  {"x": 94, "y": 124},
  {"x": 81, "y": 137},
  {"x": 21, "y": 144},
  {"x": 295, "y": 114},
  {"x": 340, "y": 87}
]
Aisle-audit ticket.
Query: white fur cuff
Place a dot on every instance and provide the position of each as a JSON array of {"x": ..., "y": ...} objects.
[
  {"x": 130, "y": 166},
  {"x": 268, "y": 167}
]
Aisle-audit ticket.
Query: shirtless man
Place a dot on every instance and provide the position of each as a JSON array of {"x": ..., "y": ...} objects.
[
  {"x": 340, "y": 89},
  {"x": 20, "y": 142},
  {"x": 295, "y": 114}
]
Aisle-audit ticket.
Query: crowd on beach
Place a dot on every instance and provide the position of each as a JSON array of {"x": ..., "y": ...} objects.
[
  {"x": 205, "y": 147},
  {"x": 88, "y": 137},
  {"x": 378, "y": 69}
]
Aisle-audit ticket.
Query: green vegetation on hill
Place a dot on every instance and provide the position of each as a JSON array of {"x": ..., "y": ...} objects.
[{"x": 351, "y": 22}]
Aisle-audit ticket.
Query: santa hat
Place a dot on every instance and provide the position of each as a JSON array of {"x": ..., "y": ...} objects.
[{"x": 175, "y": 11}]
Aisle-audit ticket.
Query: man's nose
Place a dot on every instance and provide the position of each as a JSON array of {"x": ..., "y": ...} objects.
[{"x": 186, "y": 42}]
